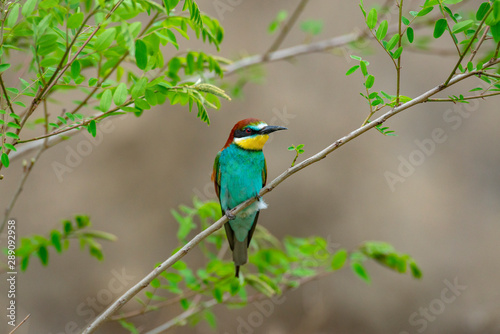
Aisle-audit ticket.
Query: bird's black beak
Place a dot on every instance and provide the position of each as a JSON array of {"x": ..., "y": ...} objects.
[{"x": 271, "y": 128}]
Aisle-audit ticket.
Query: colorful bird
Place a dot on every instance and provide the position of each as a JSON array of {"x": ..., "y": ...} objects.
[{"x": 239, "y": 174}]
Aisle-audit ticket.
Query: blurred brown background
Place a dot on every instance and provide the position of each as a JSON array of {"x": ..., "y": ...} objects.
[{"x": 445, "y": 214}]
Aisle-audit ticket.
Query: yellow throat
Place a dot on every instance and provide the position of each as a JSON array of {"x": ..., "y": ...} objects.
[{"x": 252, "y": 143}]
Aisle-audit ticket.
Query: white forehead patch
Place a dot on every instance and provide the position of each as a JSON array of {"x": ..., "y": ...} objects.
[{"x": 260, "y": 126}]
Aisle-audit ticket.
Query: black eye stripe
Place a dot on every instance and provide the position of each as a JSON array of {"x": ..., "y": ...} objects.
[{"x": 243, "y": 132}]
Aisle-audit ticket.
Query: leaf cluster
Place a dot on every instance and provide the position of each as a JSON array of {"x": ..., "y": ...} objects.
[{"x": 59, "y": 240}]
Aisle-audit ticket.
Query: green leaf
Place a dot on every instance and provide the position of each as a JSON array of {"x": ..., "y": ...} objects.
[
  {"x": 392, "y": 42},
  {"x": 364, "y": 70},
  {"x": 495, "y": 31},
  {"x": 142, "y": 104},
  {"x": 313, "y": 27},
  {"x": 11, "y": 135},
  {"x": 372, "y": 18},
  {"x": 275, "y": 24},
  {"x": 370, "y": 80},
  {"x": 360, "y": 271},
  {"x": 352, "y": 70},
  {"x": 10, "y": 147},
  {"x": 105, "y": 102},
  {"x": 218, "y": 294},
  {"x": 92, "y": 82},
  {"x": 170, "y": 4},
  {"x": 13, "y": 15},
  {"x": 55, "y": 237},
  {"x": 425, "y": 11},
  {"x": 44, "y": 255},
  {"x": 4, "y": 67},
  {"x": 24, "y": 263},
  {"x": 99, "y": 235},
  {"x": 362, "y": 7},
  {"x": 339, "y": 259},
  {"x": 96, "y": 252},
  {"x": 120, "y": 95},
  {"x": 210, "y": 318},
  {"x": 155, "y": 283},
  {"x": 75, "y": 69},
  {"x": 129, "y": 326},
  {"x": 75, "y": 21},
  {"x": 415, "y": 270},
  {"x": 28, "y": 7},
  {"x": 105, "y": 39},
  {"x": 382, "y": 30},
  {"x": 482, "y": 10},
  {"x": 92, "y": 129},
  {"x": 470, "y": 66},
  {"x": 462, "y": 26},
  {"x": 141, "y": 54},
  {"x": 5, "y": 160},
  {"x": 398, "y": 53},
  {"x": 410, "y": 34}
]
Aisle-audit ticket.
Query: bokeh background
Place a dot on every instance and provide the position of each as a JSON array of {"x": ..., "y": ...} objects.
[{"x": 445, "y": 214}]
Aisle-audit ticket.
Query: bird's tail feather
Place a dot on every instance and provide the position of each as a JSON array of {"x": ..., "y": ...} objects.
[{"x": 240, "y": 253}]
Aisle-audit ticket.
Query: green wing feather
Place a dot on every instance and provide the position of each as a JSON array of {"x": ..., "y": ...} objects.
[{"x": 216, "y": 175}]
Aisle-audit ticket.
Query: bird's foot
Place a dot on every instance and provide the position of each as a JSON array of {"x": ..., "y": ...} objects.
[{"x": 230, "y": 216}]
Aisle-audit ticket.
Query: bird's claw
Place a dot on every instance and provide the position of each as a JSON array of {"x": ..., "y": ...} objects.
[{"x": 230, "y": 216}]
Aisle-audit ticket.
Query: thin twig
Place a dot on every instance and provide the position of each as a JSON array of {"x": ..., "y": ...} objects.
[
  {"x": 465, "y": 98},
  {"x": 398, "y": 67},
  {"x": 468, "y": 47},
  {"x": 496, "y": 51},
  {"x": 452, "y": 35},
  {"x": 481, "y": 40},
  {"x": 19, "y": 325},
  {"x": 7, "y": 98}
]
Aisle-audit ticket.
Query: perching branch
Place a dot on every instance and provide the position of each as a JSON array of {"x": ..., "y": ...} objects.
[{"x": 128, "y": 295}]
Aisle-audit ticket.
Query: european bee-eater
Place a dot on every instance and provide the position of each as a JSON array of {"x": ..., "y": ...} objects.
[{"x": 239, "y": 174}]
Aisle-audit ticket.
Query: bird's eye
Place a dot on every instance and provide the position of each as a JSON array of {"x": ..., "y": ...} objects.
[{"x": 248, "y": 130}]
